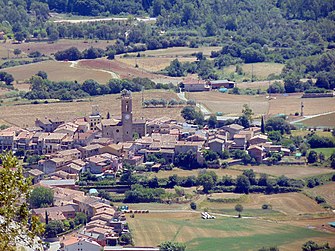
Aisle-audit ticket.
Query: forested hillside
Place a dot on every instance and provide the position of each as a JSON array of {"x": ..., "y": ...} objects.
[{"x": 293, "y": 32}]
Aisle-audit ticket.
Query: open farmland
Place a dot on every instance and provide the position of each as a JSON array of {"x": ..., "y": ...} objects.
[
  {"x": 259, "y": 70},
  {"x": 184, "y": 173},
  {"x": 294, "y": 172},
  {"x": 327, "y": 120},
  {"x": 288, "y": 104},
  {"x": 288, "y": 204},
  {"x": 230, "y": 104},
  {"x": 123, "y": 70},
  {"x": 58, "y": 71},
  {"x": 230, "y": 233},
  {"x": 326, "y": 191},
  {"x": 48, "y": 48},
  {"x": 22, "y": 115},
  {"x": 152, "y": 64}
]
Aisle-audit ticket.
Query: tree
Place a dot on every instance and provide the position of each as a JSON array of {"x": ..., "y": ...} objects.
[
  {"x": 41, "y": 197},
  {"x": 242, "y": 184},
  {"x": 276, "y": 87},
  {"x": 193, "y": 205},
  {"x": 126, "y": 239},
  {"x": 263, "y": 124},
  {"x": 175, "y": 69},
  {"x": 278, "y": 124},
  {"x": 188, "y": 113},
  {"x": 207, "y": 181},
  {"x": 313, "y": 246},
  {"x": 292, "y": 83},
  {"x": 91, "y": 87},
  {"x": 249, "y": 173},
  {"x": 275, "y": 136},
  {"x": 42, "y": 74},
  {"x": 332, "y": 160},
  {"x": 212, "y": 121},
  {"x": 172, "y": 246},
  {"x": 54, "y": 228},
  {"x": 80, "y": 218},
  {"x": 16, "y": 222},
  {"x": 239, "y": 209},
  {"x": 17, "y": 52},
  {"x": 312, "y": 157},
  {"x": 247, "y": 111},
  {"x": 6, "y": 77}
]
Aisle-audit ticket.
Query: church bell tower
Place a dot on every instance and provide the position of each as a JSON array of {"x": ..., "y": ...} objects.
[{"x": 127, "y": 115}]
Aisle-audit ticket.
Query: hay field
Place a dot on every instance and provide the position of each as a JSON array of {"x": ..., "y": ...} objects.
[
  {"x": 259, "y": 70},
  {"x": 58, "y": 71},
  {"x": 294, "y": 172},
  {"x": 327, "y": 191},
  {"x": 152, "y": 64},
  {"x": 22, "y": 115},
  {"x": 184, "y": 173},
  {"x": 48, "y": 49},
  {"x": 283, "y": 205},
  {"x": 123, "y": 70},
  {"x": 263, "y": 85},
  {"x": 322, "y": 120},
  {"x": 230, "y": 233},
  {"x": 291, "y": 104},
  {"x": 230, "y": 104},
  {"x": 181, "y": 51}
]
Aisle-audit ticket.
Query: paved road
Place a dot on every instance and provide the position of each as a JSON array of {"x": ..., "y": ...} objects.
[{"x": 202, "y": 108}]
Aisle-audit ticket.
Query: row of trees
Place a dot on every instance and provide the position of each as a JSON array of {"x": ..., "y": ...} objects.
[
  {"x": 166, "y": 103},
  {"x": 42, "y": 88},
  {"x": 245, "y": 183}
]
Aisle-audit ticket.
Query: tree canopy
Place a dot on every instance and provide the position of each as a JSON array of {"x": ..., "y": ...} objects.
[{"x": 17, "y": 226}]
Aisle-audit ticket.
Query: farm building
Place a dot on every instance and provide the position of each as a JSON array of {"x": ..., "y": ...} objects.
[
  {"x": 192, "y": 85},
  {"x": 217, "y": 84}
]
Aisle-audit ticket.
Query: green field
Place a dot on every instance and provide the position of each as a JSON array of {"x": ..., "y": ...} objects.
[
  {"x": 326, "y": 151},
  {"x": 219, "y": 234}
]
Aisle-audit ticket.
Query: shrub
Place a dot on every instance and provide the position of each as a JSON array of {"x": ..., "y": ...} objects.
[
  {"x": 193, "y": 205},
  {"x": 266, "y": 206},
  {"x": 320, "y": 199}
]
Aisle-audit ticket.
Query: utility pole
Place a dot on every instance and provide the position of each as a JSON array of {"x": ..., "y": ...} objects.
[
  {"x": 252, "y": 73},
  {"x": 302, "y": 109}
]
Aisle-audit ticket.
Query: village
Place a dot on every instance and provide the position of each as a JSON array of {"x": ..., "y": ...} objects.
[{"x": 103, "y": 146}]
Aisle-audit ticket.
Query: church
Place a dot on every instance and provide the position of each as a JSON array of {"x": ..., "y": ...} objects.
[{"x": 123, "y": 130}]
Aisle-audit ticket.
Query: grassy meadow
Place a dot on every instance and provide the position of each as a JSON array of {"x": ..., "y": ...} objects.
[{"x": 223, "y": 233}]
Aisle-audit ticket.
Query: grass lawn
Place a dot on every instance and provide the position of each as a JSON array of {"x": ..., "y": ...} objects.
[
  {"x": 230, "y": 233},
  {"x": 326, "y": 151}
]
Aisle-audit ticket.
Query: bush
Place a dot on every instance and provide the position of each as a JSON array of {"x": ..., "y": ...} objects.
[
  {"x": 193, "y": 205},
  {"x": 320, "y": 199},
  {"x": 266, "y": 206}
]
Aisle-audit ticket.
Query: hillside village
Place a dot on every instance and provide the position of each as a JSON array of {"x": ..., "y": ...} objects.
[
  {"x": 164, "y": 125},
  {"x": 103, "y": 146}
]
